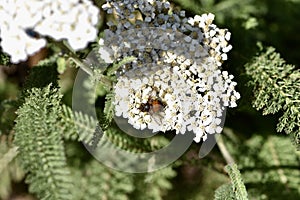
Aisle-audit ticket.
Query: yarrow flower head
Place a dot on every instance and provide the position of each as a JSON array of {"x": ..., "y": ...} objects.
[
  {"x": 175, "y": 82},
  {"x": 24, "y": 25}
]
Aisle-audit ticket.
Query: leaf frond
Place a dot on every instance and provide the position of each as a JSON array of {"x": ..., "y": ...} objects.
[
  {"x": 39, "y": 139},
  {"x": 276, "y": 89}
]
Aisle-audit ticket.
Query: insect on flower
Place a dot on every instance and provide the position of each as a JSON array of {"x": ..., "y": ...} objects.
[
  {"x": 154, "y": 107},
  {"x": 153, "y": 104}
]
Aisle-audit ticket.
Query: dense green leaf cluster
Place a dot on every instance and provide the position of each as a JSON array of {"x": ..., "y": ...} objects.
[
  {"x": 225, "y": 192},
  {"x": 276, "y": 88},
  {"x": 269, "y": 166},
  {"x": 94, "y": 181},
  {"x": 41, "y": 146},
  {"x": 153, "y": 186}
]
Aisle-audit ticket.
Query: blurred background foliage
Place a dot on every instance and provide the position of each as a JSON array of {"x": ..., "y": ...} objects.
[{"x": 268, "y": 160}]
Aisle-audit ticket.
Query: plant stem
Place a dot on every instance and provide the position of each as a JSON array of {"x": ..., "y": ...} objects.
[
  {"x": 82, "y": 65},
  {"x": 72, "y": 55},
  {"x": 225, "y": 153}
]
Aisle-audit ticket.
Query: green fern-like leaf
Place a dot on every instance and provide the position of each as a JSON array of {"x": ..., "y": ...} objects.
[
  {"x": 276, "y": 170},
  {"x": 153, "y": 186},
  {"x": 277, "y": 88},
  {"x": 224, "y": 192},
  {"x": 96, "y": 181},
  {"x": 237, "y": 182},
  {"x": 269, "y": 165},
  {"x": 94, "y": 87},
  {"x": 280, "y": 166},
  {"x": 77, "y": 125},
  {"x": 126, "y": 142},
  {"x": 81, "y": 127},
  {"x": 40, "y": 143},
  {"x": 109, "y": 108}
]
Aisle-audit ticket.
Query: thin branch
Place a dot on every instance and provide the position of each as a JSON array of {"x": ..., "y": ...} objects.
[{"x": 225, "y": 153}]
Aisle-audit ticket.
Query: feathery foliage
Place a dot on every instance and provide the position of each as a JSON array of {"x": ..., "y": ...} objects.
[
  {"x": 269, "y": 166},
  {"x": 153, "y": 186},
  {"x": 277, "y": 88},
  {"x": 236, "y": 181},
  {"x": 77, "y": 125},
  {"x": 39, "y": 139},
  {"x": 109, "y": 108},
  {"x": 81, "y": 127},
  {"x": 132, "y": 144},
  {"x": 95, "y": 181},
  {"x": 41, "y": 152},
  {"x": 276, "y": 166},
  {"x": 225, "y": 192}
]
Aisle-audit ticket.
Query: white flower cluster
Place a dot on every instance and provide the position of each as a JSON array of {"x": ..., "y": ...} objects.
[
  {"x": 199, "y": 29},
  {"x": 187, "y": 104},
  {"x": 25, "y": 24},
  {"x": 175, "y": 83},
  {"x": 151, "y": 87}
]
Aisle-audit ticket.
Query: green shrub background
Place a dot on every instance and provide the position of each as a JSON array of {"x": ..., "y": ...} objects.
[{"x": 41, "y": 155}]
